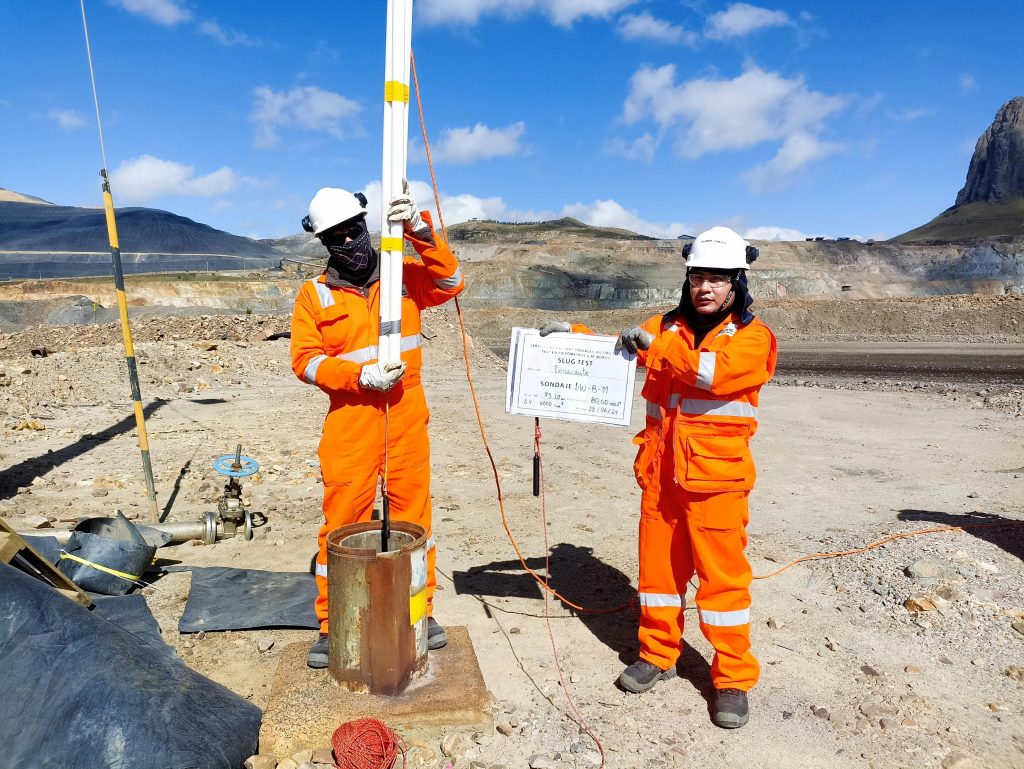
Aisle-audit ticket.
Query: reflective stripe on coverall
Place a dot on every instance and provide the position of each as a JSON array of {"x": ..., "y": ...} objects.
[
  {"x": 334, "y": 334},
  {"x": 696, "y": 471}
]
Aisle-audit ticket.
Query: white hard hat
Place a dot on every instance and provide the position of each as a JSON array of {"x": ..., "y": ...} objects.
[
  {"x": 719, "y": 249},
  {"x": 332, "y": 206}
]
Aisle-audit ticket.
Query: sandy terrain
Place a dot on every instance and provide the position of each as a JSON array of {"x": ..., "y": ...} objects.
[{"x": 851, "y": 677}]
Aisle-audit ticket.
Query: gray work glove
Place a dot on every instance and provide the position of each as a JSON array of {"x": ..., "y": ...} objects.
[
  {"x": 634, "y": 339},
  {"x": 402, "y": 208},
  {"x": 555, "y": 327},
  {"x": 381, "y": 376}
]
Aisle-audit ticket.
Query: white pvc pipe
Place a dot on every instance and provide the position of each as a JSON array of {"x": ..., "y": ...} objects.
[{"x": 397, "y": 52}]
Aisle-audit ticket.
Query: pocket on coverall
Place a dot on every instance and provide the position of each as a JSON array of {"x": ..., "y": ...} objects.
[{"x": 714, "y": 463}]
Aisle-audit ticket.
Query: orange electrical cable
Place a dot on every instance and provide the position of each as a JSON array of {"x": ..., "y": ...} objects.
[
  {"x": 472, "y": 388},
  {"x": 879, "y": 543}
]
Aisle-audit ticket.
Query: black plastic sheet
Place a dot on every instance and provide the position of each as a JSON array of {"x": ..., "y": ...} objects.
[
  {"x": 109, "y": 555},
  {"x": 82, "y": 692},
  {"x": 245, "y": 599}
]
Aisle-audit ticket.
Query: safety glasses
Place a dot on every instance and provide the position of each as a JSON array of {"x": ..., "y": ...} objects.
[
  {"x": 344, "y": 232},
  {"x": 698, "y": 279}
]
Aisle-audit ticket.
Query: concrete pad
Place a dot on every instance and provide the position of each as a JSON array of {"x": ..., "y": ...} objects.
[{"x": 306, "y": 706}]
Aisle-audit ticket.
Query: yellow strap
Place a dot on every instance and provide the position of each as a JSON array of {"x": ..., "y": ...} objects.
[
  {"x": 418, "y": 607},
  {"x": 121, "y": 574},
  {"x": 391, "y": 244},
  {"x": 395, "y": 90}
]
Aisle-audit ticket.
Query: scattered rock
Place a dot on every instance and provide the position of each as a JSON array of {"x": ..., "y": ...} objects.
[
  {"x": 773, "y": 623},
  {"x": 263, "y": 761},
  {"x": 452, "y": 744},
  {"x": 922, "y": 568},
  {"x": 288, "y": 764},
  {"x": 36, "y": 522},
  {"x": 820, "y": 712},
  {"x": 263, "y": 645},
  {"x": 505, "y": 728},
  {"x": 302, "y": 756},
  {"x": 1016, "y": 672},
  {"x": 916, "y": 603},
  {"x": 869, "y": 671},
  {"x": 957, "y": 760},
  {"x": 909, "y": 723},
  {"x": 323, "y": 756},
  {"x": 888, "y": 723},
  {"x": 1018, "y": 626},
  {"x": 540, "y": 761},
  {"x": 913, "y": 670}
]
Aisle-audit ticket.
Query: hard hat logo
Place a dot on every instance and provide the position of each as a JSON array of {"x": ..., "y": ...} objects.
[
  {"x": 332, "y": 206},
  {"x": 719, "y": 248}
]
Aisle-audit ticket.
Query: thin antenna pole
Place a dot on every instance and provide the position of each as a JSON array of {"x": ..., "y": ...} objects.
[{"x": 122, "y": 301}]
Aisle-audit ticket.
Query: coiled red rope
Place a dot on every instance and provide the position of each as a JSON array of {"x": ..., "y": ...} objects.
[{"x": 365, "y": 743}]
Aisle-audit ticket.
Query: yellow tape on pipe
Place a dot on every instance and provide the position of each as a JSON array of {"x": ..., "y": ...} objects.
[
  {"x": 391, "y": 244},
  {"x": 395, "y": 90}
]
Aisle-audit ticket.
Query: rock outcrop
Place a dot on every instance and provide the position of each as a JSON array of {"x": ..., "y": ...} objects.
[{"x": 996, "y": 172}]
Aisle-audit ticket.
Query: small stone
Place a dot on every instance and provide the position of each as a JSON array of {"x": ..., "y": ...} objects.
[
  {"x": 913, "y": 670},
  {"x": 451, "y": 744},
  {"x": 978, "y": 661},
  {"x": 1018, "y": 626},
  {"x": 916, "y": 603},
  {"x": 323, "y": 756},
  {"x": 505, "y": 728},
  {"x": 924, "y": 569},
  {"x": 869, "y": 671},
  {"x": 261, "y": 762},
  {"x": 205, "y": 346},
  {"x": 974, "y": 494},
  {"x": 37, "y": 522},
  {"x": 513, "y": 631},
  {"x": 773, "y": 623},
  {"x": 99, "y": 492},
  {"x": 575, "y": 678},
  {"x": 995, "y": 707},
  {"x": 862, "y": 725},
  {"x": 288, "y": 764},
  {"x": 820, "y": 712},
  {"x": 263, "y": 645},
  {"x": 888, "y": 723},
  {"x": 540, "y": 761},
  {"x": 514, "y": 722},
  {"x": 1015, "y": 672},
  {"x": 957, "y": 760},
  {"x": 787, "y": 714},
  {"x": 909, "y": 723}
]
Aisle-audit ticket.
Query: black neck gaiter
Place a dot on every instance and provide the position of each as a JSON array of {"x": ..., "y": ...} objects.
[{"x": 354, "y": 262}]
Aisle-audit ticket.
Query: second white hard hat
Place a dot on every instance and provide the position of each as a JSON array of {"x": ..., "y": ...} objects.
[
  {"x": 719, "y": 249},
  {"x": 332, "y": 206}
]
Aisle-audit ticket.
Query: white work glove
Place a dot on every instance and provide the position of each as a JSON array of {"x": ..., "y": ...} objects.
[
  {"x": 381, "y": 376},
  {"x": 634, "y": 339},
  {"x": 555, "y": 327},
  {"x": 402, "y": 208}
]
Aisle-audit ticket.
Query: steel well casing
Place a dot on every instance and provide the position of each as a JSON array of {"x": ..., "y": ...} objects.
[{"x": 377, "y": 606}]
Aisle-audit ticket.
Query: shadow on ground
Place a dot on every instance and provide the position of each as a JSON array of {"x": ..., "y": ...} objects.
[{"x": 1005, "y": 533}]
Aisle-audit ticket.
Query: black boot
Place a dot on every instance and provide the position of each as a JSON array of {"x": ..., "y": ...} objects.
[
  {"x": 641, "y": 676},
  {"x": 730, "y": 709},
  {"x": 317, "y": 657},
  {"x": 436, "y": 637}
]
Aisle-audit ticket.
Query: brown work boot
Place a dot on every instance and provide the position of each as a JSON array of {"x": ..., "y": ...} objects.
[{"x": 730, "y": 708}]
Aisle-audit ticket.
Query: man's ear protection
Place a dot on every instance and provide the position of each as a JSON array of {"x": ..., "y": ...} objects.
[
  {"x": 361, "y": 198},
  {"x": 307, "y": 225},
  {"x": 752, "y": 254}
]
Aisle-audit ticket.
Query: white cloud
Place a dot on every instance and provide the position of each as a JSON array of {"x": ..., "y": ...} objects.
[
  {"x": 142, "y": 179},
  {"x": 796, "y": 153},
  {"x": 225, "y": 35},
  {"x": 166, "y": 12},
  {"x": 741, "y": 19},
  {"x": 461, "y": 146},
  {"x": 560, "y": 12},
  {"x": 66, "y": 118},
  {"x": 640, "y": 148},
  {"x": 307, "y": 107},
  {"x": 609, "y": 213},
  {"x": 910, "y": 114},
  {"x": 967, "y": 82},
  {"x": 644, "y": 26},
  {"x": 769, "y": 232},
  {"x": 222, "y": 205},
  {"x": 709, "y": 115}
]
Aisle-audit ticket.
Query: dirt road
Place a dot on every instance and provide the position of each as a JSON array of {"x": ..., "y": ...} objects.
[{"x": 851, "y": 677}]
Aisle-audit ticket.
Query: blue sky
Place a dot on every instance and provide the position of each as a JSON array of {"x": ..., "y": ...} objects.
[{"x": 780, "y": 119}]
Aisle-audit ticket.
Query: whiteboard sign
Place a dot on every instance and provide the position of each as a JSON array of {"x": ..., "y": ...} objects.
[{"x": 569, "y": 376}]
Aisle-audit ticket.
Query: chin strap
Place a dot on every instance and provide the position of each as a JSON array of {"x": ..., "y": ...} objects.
[{"x": 728, "y": 297}]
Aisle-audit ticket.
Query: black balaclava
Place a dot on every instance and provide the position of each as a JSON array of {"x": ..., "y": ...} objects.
[
  {"x": 354, "y": 262},
  {"x": 702, "y": 324}
]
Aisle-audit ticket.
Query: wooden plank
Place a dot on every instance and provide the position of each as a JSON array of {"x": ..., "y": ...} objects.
[{"x": 52, "y": 575}]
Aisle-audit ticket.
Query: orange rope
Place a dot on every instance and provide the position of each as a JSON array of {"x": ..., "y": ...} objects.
[
  {"x": 472, "y": 388},
  {"x": 879, "y": 543}
]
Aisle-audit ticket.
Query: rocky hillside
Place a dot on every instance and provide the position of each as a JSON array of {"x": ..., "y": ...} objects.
[{"x": 991, "y": 203}]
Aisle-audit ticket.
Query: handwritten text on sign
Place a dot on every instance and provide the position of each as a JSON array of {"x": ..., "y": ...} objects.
[{"x": 569, "y": 376}]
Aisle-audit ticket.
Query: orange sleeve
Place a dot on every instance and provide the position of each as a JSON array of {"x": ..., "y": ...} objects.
[
  {"x": 747, "y": 361},
  {"x": 310, "y": 362},
  {"x": 437, "y": 277}
]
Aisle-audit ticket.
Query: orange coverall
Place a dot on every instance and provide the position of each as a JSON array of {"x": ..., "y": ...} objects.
[
  {"x": 696, "y": 471},
  {"x": 334, "y": 334}
]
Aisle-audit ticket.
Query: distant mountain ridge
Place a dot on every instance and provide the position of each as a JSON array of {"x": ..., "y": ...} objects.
[
  {"x": 10, "y": 196},
  {"x": 991, "y": 203}
]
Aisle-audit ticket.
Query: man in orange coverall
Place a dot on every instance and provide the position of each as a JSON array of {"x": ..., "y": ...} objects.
[
  {"x": 335, "y": 330},
  {"x": 706, "y": 361}
]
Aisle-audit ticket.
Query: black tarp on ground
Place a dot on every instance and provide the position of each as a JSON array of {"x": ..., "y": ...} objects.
[
  {"x": 245, "y": 599},
  {"x": 82, "y": 692},
  {"x": 131, "y": 613}
]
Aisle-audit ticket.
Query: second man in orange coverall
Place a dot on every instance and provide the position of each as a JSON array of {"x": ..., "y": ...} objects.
[{"x": 706, "y": 361}]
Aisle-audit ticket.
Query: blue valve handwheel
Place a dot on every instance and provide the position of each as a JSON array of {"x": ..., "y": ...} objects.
[{"x": 225, "y": 466}]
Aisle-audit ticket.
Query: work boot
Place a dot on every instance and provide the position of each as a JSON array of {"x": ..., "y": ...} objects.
[
  {"x": 730, "y": 709},
  {"x": 436, "y": 637},
  {"x": 641, "y": 676},
  {"x": 317, "y": 657}
]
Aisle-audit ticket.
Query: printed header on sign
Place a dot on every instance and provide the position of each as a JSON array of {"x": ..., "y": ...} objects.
[{"x": 578, "y": 377}]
